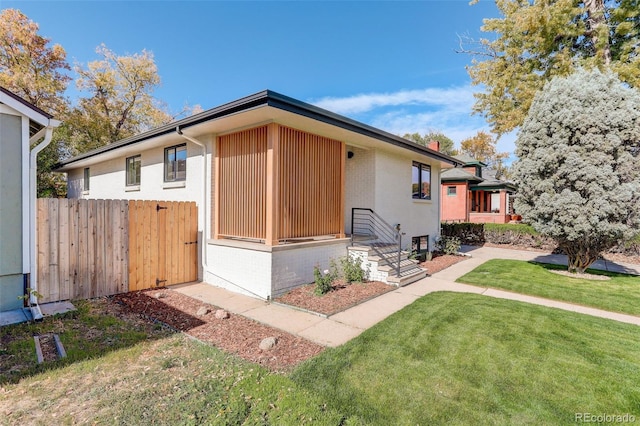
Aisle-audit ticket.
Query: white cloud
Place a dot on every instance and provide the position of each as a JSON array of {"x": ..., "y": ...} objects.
[
  {"x": 447, "y": 110},
  {"x": 456, "y": 98}
]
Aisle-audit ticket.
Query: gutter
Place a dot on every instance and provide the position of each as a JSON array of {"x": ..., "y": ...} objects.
[
  {"x": 33, "y": 196},
  {"x": 205, "y": 184}
]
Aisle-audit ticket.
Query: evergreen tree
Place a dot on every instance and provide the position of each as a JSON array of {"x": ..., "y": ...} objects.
[{"x": 577, "y": 174}]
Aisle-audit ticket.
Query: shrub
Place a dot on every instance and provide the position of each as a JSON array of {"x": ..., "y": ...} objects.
[
  {"x": 324, "y": 279},
  {"x": 351, "y": 269},
  {"x": 448, "y": 245},
  {"x": 467, "y": 233}
]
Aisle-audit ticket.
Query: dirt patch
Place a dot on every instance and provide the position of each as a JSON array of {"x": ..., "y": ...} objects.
[
  {"x": 578, "y": 275},
  {"x": 235, "y": 334}
]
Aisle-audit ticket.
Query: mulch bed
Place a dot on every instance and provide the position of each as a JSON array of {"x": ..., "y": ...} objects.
[
  {"x": 341, "y": 297},
  {"x": 242, "y": 336},
  {"x": 235, "y": 334},
  {"x": 344, "y": 296}
]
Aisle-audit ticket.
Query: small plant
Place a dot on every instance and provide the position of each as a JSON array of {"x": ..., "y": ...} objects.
[
  {"x": 352, "y": 270},
  {"x": 448, "y": 245},
  {"x": 27, "y": 296},
  {"x": 324, "y": 279}
]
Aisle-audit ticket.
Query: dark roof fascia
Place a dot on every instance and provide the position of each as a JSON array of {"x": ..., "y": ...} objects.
[
  {"x": 25, "y": 103},
  {"x": 275, "y": 100},
  {"x": 492, "y": 187},
  {"x": 460, "y": 179}
]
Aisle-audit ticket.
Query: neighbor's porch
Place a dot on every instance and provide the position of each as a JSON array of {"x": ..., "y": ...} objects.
[{"x": 490, "y": 206}]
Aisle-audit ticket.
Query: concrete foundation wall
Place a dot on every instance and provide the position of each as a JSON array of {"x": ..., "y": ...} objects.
[{"x": 256, "y": 270}]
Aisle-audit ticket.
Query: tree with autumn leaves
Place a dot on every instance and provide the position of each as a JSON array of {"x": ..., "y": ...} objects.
[
  {"x": 117, "y": 93},
  {"x": 537, "y": 40}
]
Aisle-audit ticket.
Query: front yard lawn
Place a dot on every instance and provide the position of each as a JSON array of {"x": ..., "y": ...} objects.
[
  {"x": 619, "y": 294},
  {"x": 469, "y": 359},
  {"x": 448, "y": 358}
]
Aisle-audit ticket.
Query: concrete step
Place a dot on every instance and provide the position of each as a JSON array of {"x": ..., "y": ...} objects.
[
  {"x": 405, "y": 265},
  {"x": 407, "y": 277}
]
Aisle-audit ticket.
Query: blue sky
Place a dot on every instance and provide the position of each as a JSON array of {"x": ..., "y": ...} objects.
[{"x": 390, "y": 64}]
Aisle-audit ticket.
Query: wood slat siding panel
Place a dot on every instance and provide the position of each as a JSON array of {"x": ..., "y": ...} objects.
[
  {"x": 82, "y": 246},
  {"x": 310, "y": 189},
  {"x": 241, "y": 186}
]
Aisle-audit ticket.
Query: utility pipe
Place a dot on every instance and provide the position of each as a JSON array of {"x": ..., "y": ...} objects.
[
  {"x": 204, "y": 207},
  {"x": 33, "y": 196}
]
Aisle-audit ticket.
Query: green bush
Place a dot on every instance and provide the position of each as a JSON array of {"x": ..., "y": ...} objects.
[
  {"x": 351, "y": 270},
  {"x": 465, "y": 232},
  {"x": 448, "y": 245},
  {"x": 516, "y": 228},
  {"x": 324, "y": 279}
]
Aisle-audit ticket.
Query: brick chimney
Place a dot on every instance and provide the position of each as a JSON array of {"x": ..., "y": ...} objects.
[{"x": 434, "y": 145}]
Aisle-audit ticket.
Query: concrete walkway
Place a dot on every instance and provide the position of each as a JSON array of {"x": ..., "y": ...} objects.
[{"x": 344, "y": 326}]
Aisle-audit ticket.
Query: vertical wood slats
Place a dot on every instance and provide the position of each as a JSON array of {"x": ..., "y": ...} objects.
[
  {"x": 311, "y": 186},
  {"x": 76, "y": 255},
  {"x": 304, "y": 197},
  {"x": 163, "y": 239},
  {"x": 242, "y": 184}
]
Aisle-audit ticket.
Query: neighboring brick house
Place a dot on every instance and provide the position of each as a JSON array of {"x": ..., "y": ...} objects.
[{"x": 472, "y": 193}]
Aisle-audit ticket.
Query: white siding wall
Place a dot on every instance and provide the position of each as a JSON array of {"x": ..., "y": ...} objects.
[
  {"x": 241, "y": 270},
  {"x": 393, "y": 200}
]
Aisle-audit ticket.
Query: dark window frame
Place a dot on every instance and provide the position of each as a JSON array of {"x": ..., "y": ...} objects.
[
  {"x": 416, "y": 193},
  {"x": 86, "y": 177},
  {"x": 137, "y": 177},
  {"x": 171, "y": 174},
  {"x": 452, "y": 190}
]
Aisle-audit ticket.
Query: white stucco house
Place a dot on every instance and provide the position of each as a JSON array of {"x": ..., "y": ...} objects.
[
  {"x": 277, "y": 182},
  {"x": 21, "y": 126}
]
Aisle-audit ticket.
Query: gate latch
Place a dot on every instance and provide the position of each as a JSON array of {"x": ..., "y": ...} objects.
[
  {"x": 191, "y": 242},
  {"x": 159, "y": 207}
]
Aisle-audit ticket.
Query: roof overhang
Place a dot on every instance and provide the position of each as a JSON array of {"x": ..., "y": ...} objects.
[
  {"x": 260, "y": 108},
  {"x": 35, "y": 114}
]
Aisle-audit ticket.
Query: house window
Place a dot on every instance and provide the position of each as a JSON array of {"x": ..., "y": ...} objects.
[
  {"x": 133, "y": 170},
  {"x": 87, "y": 175},
  {"x": 421, "y": 181},
  {"x": 451, "y": 190},
  {"x": 175, "y": 163}
]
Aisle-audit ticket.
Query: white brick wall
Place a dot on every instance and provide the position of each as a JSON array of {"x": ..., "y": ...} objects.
[
  {"x": 293, "y": 267},
  {"x": 240, "y": 270},
  {"x": 360, "y": 180}
]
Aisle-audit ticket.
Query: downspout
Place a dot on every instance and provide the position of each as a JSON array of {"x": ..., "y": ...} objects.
[
  {"x": 33, "y": 228},
  {"x": 204, "y": 207}
]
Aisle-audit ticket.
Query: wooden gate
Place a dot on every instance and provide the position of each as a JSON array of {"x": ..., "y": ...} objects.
[{"x": 163, "y": 243}]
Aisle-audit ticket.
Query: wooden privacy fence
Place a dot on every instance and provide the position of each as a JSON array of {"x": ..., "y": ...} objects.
[{"x": 93, "y": 248}]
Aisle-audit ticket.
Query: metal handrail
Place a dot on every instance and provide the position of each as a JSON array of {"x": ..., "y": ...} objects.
[{"x": 366, "y": 222}]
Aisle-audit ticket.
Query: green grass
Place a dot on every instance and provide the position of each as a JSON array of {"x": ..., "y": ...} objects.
[
  {"x": 619, "y": 294},
  {"x": 171, "y": 381},
  {"x": 469, "y": 359},
  {"x": 85, "y": 333}
]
